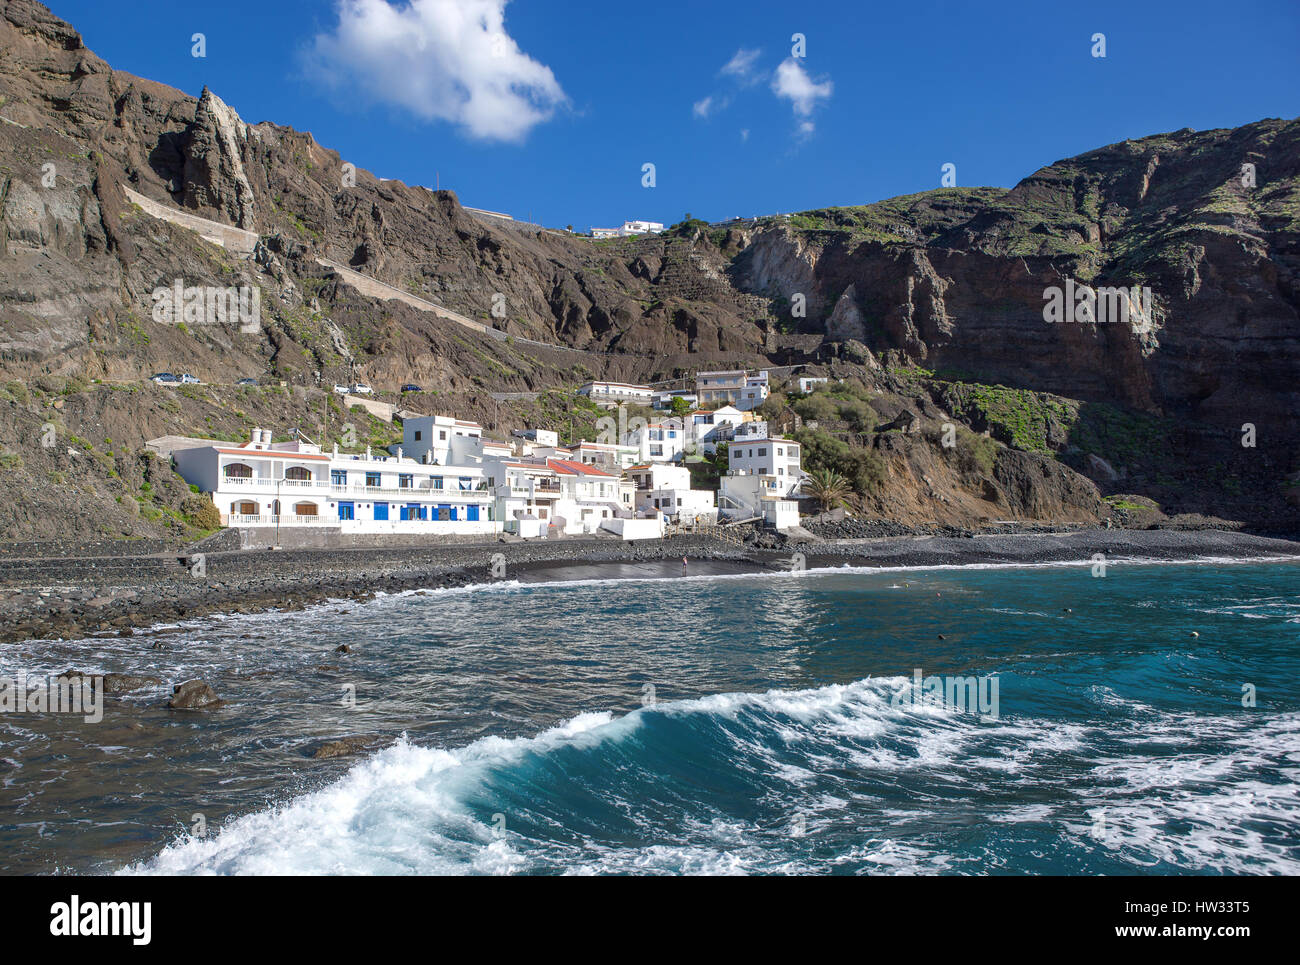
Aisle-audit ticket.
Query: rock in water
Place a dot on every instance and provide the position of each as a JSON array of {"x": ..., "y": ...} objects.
[
  {"x": 122, "y": 683},
  {"x": 343, "y": 747},
  {"x": 194, "y": 695}
]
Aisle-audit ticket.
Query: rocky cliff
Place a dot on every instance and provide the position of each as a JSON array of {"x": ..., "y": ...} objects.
[{"x": 933, "y": 302}]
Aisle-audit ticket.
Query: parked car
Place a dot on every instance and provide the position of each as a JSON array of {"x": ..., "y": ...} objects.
[
  {"x": 411, "y": 387},
  {"x": 362, "y": 389},
  {"x": 165, "y": 378},
  {"x": 189, "y": 379},
  {"x": 246, "y": 382},
  {"x": 342, "y": 389}
]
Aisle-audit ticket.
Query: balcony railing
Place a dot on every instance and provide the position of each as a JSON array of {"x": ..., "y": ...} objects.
[
  {"x": 268, "y": 482},
  {"x": 357, "y": 489}
]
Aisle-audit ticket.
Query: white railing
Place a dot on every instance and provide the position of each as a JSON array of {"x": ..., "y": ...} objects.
[
  {"x": 267, "y": 482},
  {"x": 408, "y": 491}
]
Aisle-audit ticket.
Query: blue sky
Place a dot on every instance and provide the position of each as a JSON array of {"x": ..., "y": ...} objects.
[{"x": 550, "y": 109}]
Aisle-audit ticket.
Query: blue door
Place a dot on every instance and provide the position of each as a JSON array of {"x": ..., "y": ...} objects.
[
  {"x": 346, "y": 511},
  {"x": 381, "y": 511},
  {"x": 471, "y": 513}
]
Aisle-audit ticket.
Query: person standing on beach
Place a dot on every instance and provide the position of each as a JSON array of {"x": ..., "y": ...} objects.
[{"x": 683, "y": 566}]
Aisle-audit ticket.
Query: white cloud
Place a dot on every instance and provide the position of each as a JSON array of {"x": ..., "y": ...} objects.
[
  {"x": 744, "y": 134},
  {"x": 447, "y": 60},
  {"x": 794, "y": 84},
  {"x": 701, "y": 108},
  {"x": 741, "y": 65}
]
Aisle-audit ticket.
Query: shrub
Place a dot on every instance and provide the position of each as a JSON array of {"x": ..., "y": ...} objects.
[
  {"x": 200, "y": 512},
  {"x": 818, "y": 407}
]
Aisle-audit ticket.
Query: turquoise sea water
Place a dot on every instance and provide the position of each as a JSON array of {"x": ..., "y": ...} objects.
[{"x": 750, "y": 724}]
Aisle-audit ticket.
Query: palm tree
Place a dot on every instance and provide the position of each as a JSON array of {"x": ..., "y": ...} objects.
[{"x": 827, "y": 487}]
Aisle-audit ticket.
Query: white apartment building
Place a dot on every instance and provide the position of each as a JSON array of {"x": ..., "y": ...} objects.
[
  {"x": 263, "y": 484},
  {"x": 659, "y": 441},
  {"x": 614, "y": 393},
  {"x": 778, "y": 458},
  {"x": 428, "y": 438},
  {"x": 808, "y": 383}
]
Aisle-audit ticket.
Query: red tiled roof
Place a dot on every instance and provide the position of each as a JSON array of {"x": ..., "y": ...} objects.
[{"x": 570, "y": 468}]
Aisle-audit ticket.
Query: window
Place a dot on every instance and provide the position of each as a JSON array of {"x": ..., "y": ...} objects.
[
  {"x": 442, "y": 434},
  {"x": 238, "y": 470},
  {"x": 405, "y": 480},
  {"x": 418, "y": 434},
  {"x": 436, "y": 482},
  {"x": 466, "y": 482},
  {"x": 339, "y": 477},
  {"x": 778, "y": 451},
  {"x": 372, "y": 479},
  {"x": 762, "y": 452},
  {"x": 297, "y": 472}
]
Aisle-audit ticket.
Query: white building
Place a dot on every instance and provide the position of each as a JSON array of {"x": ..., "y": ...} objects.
[
  {"x": 659, "y": 441},
  {"x": 588, "y": 496},
  {"x": 778, "y": 458},
  {"x": 808, "y": 383},
  {"x": 710, "y": 428},
  {"x": 614, "y": 393},
  {"x": 732, "y": 387},
  {"x": 753, "y": 496},
  {"x": 629, "y": 228},
  {"x": 292, "y": 484},
  {"x": 527, "y": 494},
  {"x": 428, "y": 438},
  {"x": 664, "y": 489},
  {"x": 541, "y": 437},
  {"x": 603, "y": 454},
  {"x": 659, "y": 475}
]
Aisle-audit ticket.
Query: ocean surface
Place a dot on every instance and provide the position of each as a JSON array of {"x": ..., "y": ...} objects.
[{"x": 708, "y": 724}]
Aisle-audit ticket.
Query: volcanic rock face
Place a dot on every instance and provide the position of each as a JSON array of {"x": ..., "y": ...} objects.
[{"x": 952, "y": 280}]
